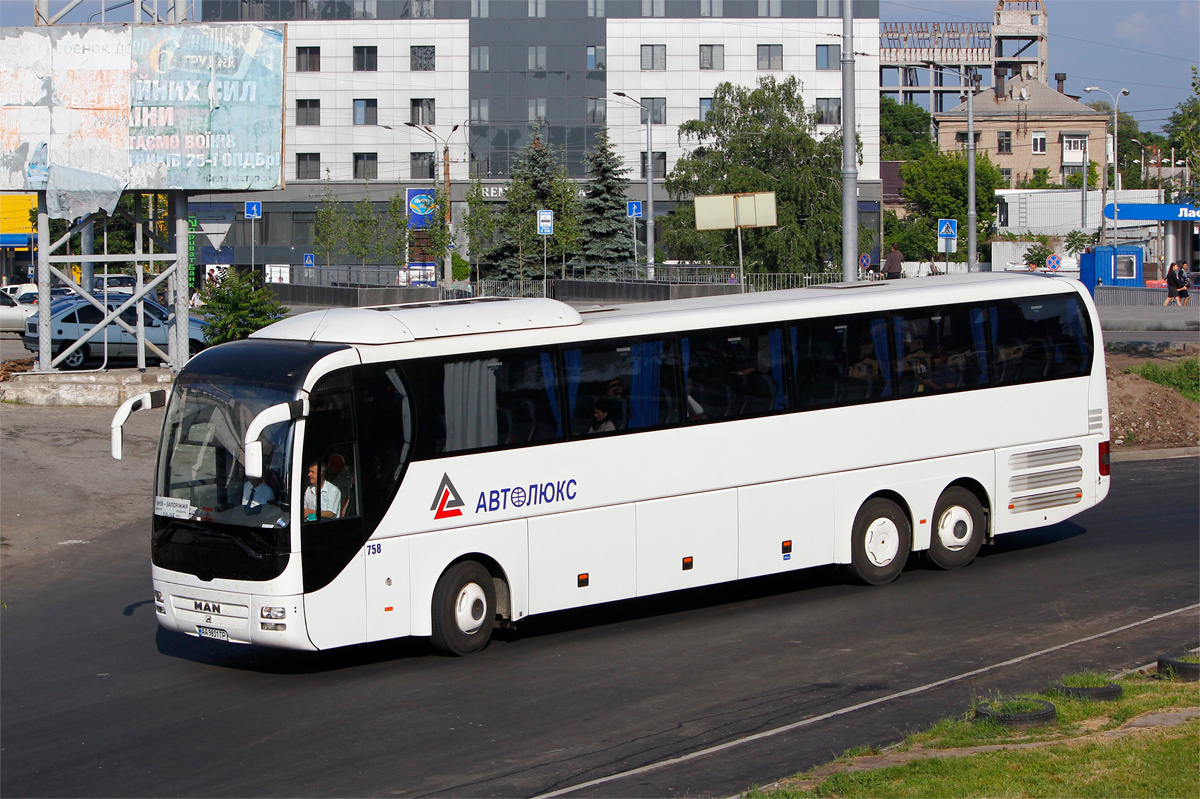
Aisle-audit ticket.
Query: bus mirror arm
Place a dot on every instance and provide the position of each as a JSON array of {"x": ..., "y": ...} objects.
[
  {"x": 284, "y": 412},
  {"x": 152, "y": 399}
]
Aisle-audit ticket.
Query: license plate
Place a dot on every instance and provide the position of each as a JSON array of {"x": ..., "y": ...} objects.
[{"x": 212, "y": 632}]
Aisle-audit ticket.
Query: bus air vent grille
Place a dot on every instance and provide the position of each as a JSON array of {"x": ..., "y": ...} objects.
[
  {"x": 1037, "y": 480},
  {"x": 1095, "y": 421},
  {"x": 1052, "y": 499},
  {"x": 1045, "y": 457}
]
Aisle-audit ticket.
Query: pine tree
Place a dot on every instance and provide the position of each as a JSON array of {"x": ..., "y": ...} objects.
[
  {"x": 605, "y": 230},
  {"x": 237, "y": 305},
  {"x": 535, "y": 185}
]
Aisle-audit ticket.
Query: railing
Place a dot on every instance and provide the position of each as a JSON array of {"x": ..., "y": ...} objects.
[{"x": 1129, "y": 295}]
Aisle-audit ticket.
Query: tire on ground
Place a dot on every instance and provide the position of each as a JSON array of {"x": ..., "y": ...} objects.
[
  {"x": 959, "y": 527},
  {"x": 463, "y": 609},
  {"x": 76, "y": 359},
  {"x": 880, "y": 542}
]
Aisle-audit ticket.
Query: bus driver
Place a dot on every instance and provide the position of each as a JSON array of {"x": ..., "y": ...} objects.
[{"x": 331, "y": 496}]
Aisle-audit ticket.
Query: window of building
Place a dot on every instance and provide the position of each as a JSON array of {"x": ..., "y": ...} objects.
[
  {"x": 308, "y": 166},
  {"x": 537, "y": 8},
  {"x": 770, "y": 56},
  {"x": 829, "y": 111},
  {"x": 423, "y": 111},
  {"x": 364, "y": 9},
  {"x": 595, "y": 8},
  {"x": 960, "y": 137},
  {"x": 712, "y": 56},
  {"x": 657, "y": 109},
  {"x": 1003, "y": 141},
  {"x": 421, "y": 9},
  {"x": 1069, "y": 170},
  {"x": 479, "y": 9},
  {"x": 829, "y": 56},
  {"x": 1039, "y": 142},
  {"x": 479, "y": 58},
  {"x": 1006, "y": 176},
  {"x": 308, "y": 112},
  {"x": 302, "y": 226},
  {"x": 422, "y": 166},
  {"x": 366, "y": 59},
  {"x": 597, "y": 111},
  {"x": 366, "y": 166},
  {"x": 366, "y": 112},
  {"x": 421, "y": 58},
  {"x": 595, "y": 56},
  {"x": 654, "y": 8},
  {"x": 250, "y": 9},
  {"x": 660, "y": 164},
  {"x": 479, "y": 110},
  {"x": 712, "y": 8},
  {"x": 705, "y": 107},
  {"x": 770, "y": 8},
  {"x": 537, "y": 56},
  {"x": 537, "y": 109},
  {"x": 1074, "y": 144},
  {"x": 654, "y": 56},
  {"x": 829, "y": 8},
  {"x": 308, "y": 59}
]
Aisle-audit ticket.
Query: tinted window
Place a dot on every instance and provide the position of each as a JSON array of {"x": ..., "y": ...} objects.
[
  {"x": 940, "y": 349},
  {"x": 615, "y": 386},
  {"x": 1040, "y": 338},
  {"x": 733, "y": 372}
]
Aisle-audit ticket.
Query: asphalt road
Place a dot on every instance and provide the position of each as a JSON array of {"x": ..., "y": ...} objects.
[{"x": 96, "y": 701}]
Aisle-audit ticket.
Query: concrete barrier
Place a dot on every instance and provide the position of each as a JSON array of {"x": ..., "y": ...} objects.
[{"x": 99, "y": 389}]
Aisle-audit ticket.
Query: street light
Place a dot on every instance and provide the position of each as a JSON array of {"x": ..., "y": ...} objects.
[
  {"x": 448, "y": 265},
  {"x": 1116, "y": 155},
  {"x": 1142, "y": 161},
  {"x": 649, "y": 178},
  {"x": 972, "y": 80}
]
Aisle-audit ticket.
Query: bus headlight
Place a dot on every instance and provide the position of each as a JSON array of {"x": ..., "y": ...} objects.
[
  {"x": 273, "y": 626},
  {"x": 272, "y": 613}
]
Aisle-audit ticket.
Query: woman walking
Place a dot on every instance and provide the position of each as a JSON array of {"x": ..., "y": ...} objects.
[{"x": 1172, "y": 286}]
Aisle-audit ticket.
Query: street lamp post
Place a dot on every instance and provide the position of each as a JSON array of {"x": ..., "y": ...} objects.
[
  {"x": 1116, "y": 155},
  {"x": 448, "y": 263},
  {"x": 649, "y": 178},
  {"x": 972, "y": 215}
]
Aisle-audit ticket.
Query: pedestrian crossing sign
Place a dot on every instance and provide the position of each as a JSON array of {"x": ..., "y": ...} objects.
[
  {"x": 308, "y": 259},
  {"x": 947, "y": 228}
]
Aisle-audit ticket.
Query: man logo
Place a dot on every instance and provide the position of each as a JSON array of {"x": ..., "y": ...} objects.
[{"x": 446, "y": 501}]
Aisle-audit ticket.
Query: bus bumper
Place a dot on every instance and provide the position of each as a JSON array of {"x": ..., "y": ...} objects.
[{"x": 275, "y": 621}]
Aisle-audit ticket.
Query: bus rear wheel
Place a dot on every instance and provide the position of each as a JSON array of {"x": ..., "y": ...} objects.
[
  {"x": 880, "y": 543},
  {"x": 958, "y": 529},
  {"x": 464, "y": 609}
]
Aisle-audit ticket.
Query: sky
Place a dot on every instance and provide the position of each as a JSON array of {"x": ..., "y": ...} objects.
[{"x": 1146, "y": 46}]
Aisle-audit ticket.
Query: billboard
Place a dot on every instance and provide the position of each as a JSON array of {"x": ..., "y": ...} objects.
[{"x": 95, "y": 108}]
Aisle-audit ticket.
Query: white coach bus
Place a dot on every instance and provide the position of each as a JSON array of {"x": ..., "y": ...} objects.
[{"x": 359, "y": 474}]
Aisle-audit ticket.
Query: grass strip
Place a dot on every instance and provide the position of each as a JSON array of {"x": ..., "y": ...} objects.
[{"x": 1183, "y": 376}]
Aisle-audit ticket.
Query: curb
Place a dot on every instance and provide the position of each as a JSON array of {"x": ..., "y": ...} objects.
[{"x": 1154, "y": 454}]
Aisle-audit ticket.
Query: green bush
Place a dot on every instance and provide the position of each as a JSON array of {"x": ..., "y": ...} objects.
[
  {"x": 1183, "y": 376},
  {"x": 236, "y": 305},
  {"x": 460, "y": 267}
]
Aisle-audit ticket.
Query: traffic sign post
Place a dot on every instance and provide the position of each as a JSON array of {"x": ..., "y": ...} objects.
[
  {"x": 947, "y": 231},
  {"x": 545, "y": 224},
  {"x": 633, "y": 210},
  {"x": 309, "y": 260},
  {"x": 253, "y": 210},
  {"x": 864, "y": 261},
  {"x": 1054, "y": 262}
]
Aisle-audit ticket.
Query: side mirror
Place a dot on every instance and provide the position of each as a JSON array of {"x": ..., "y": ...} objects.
[
  {"x": 252, "y": 447},
  {"x": 153, "y": 399}
]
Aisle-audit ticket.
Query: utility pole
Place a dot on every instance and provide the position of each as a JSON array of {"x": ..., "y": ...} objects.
[{"x": 849, "y": 151}]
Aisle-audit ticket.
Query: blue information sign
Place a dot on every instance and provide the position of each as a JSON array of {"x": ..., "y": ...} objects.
[
  {"x": 947, "y": 228},
  {"x": 309, "y": 260},
  {"x": 545, "y": 219},
  {"x": 633, "y": 208},
  {"x": 254, "y": 209}
]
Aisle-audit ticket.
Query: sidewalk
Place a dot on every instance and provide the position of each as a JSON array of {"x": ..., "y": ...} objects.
[{"x": 1150, "y": 319}]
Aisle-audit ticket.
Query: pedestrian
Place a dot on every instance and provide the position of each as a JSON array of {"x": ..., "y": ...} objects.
[
  {"x": 893, "y": 263},
  {"x": 1172, "y": 286},
  {"x": 1185, "y": 284}
]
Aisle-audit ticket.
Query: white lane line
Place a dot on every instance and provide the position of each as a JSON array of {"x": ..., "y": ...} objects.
[{"x": 852, "y": 708}]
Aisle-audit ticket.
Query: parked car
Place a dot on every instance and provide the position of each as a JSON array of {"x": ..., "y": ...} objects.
[
  {"x": 13, "y": 314},
  {"x": 72, "y": 317},
  {"x": 121, "y": 284},
  {"x": 31, "y": 297},
  {"x": 15, "y": 290}
]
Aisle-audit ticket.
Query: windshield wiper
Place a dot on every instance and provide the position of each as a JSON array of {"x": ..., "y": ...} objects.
[{"x": 194, "y": 528}]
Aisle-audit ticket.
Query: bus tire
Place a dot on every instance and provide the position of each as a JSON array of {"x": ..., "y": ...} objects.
[
  {"x": 881, "y": 541},
  {"x": 464, "y": 609},
  {"x": 958, "y": 529}
]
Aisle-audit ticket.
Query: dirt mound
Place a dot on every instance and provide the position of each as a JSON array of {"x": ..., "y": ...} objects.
[{"x": 1145, "y": 415}]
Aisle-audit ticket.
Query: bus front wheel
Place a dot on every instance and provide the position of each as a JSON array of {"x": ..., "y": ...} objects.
[
  {"x": 464, "y": 609},
  {"x": 958, "y": 529},
  {"x": 880, "y": 543}
]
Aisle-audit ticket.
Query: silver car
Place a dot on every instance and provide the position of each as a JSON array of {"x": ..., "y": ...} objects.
[{"x": 13, "y": 314}]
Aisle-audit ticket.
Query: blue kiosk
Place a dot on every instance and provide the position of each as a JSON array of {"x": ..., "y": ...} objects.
[{"x": 1111, "y": 266}]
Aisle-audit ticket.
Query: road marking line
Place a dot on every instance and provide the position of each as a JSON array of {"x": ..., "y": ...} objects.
[{"x": 813, "y": 720}]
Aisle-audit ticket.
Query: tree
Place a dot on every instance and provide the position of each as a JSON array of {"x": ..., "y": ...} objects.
[
  {"x": 236, "y": 305},
  {"x": 604, "y": 227},
  {"x": 759, "y": 139},
  {"x": 329, "y": 229},
  {"x": 903, "y": 131},
  {"x": 1037, "y": 254},
  {"x": 1183, "y": 128},
  {"x": 362, "y": 232},
  {"x": 1077, "y": 241},
  {"x": 393, "y": 234},
  {"x": 1040, "y": 180},
  {"x": 936, "y": 188},
  {"x": 535, "y": 184},
  {"x": 1075, "y": 180},
  {"x": 567, "y": 210},
  {"x": 479, "y": 223},
  {"x": 441, "y": 237}
]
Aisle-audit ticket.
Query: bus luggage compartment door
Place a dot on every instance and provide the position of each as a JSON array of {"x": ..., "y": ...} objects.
[{"x": 686, "y": 541}]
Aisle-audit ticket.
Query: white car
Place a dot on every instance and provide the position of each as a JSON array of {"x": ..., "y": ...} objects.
[
  {"x": 13, "y": 314},
  {"x": 15, "y": 290}
]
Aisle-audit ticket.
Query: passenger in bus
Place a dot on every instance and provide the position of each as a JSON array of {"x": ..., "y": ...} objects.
[
  {"x": 616, "y": 388},
  {"x": 939, "y": 376},
  {"x": 602, "y": 418},
  {"x": 330, "y": 496}
]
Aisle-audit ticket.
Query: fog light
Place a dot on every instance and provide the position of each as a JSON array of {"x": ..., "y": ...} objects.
[
  {"x": 158, "y": 597},
  {"x": 273, "y": 613},
  {"x": 161, "y": 609},
  {"x": 274, "y": 627}
]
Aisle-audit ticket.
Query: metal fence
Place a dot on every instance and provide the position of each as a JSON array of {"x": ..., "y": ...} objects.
[{"x": 1129, "y": 295}]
